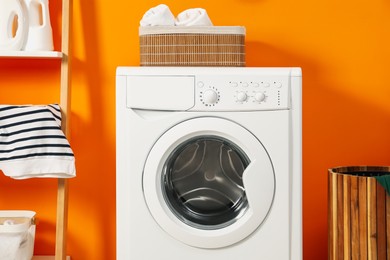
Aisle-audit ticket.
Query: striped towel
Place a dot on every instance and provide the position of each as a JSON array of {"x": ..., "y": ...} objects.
[{"x": 32, "y": 143}]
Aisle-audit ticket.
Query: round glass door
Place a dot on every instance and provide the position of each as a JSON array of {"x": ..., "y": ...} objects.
[
  {"x": 202, "y": 182},
  {"x": 208, "y": 182}
]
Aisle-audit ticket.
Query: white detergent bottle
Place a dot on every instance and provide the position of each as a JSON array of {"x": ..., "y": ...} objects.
[
  {"x": 40, "y": 35},
  {"x": 13, "y": 24}
]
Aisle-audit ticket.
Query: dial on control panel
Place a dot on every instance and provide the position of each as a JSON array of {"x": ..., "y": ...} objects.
[
  {"x": 259, "y": 96},
  {"x": 210, "y": 97},
  {"x": 241, "y": 96}
]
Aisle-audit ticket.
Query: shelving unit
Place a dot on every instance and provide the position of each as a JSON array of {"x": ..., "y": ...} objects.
[{"x": 65, "y": 91}]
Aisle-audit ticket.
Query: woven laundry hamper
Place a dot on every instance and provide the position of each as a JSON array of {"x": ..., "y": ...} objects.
[
  {"x": 359, "y": 213},
  {"x": 192, "y": 46}
]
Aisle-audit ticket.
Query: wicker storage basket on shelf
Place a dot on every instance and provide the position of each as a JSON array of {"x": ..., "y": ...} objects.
[{"x": 192, "y": 46}]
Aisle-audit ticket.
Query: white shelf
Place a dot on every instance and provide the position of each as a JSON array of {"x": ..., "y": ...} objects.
[
  {"x": 31, "y": 54},
  {"x": 46, "y": 257}
]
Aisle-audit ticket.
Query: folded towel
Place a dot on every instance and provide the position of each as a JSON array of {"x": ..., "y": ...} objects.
[
  {"x": 32, "y": 143},
  {"x": 159, "y": 15},
  {"x": 384, "y": 180},
  {"x": 194, "y": 16}
]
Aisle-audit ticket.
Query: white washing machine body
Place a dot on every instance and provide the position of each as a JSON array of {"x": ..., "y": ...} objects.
[{"x": 208, "y": 163}]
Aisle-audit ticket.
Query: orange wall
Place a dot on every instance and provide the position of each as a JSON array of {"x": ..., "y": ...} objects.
[{"x": 342, "y": 47}]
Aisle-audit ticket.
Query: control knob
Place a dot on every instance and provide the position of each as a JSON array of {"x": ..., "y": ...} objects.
[
  {"x": 241, "y": 96},
  {"x": 259, "y": 96},
  {"x": 210, "y": 97}
]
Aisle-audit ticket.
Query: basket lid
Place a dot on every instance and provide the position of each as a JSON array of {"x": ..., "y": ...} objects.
[{"x": 147, "y": 30}]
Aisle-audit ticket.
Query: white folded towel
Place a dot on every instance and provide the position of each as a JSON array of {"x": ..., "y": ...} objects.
[
  {"x": 159, "y": 15},
  {"x": 194, "y": 16},
  {"x": 32, "y": 143}
]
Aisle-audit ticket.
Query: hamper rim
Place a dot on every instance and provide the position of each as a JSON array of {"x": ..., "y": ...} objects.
[
  {"x": 349, "y": 169},
  {"x": 17, "y": 228},
  {"x": 151, "y": 30}
]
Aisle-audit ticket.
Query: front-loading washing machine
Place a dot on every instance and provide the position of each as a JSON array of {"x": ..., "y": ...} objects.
[{"x": 208, "y": 163}]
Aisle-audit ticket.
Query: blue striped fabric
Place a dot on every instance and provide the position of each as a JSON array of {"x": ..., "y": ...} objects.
[{"x": 32, "y": 143}]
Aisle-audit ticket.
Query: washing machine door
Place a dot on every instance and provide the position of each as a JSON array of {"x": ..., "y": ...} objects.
[{"x": 208, "y": 182}]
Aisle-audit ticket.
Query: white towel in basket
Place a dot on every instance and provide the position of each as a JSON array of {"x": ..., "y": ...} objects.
[
  {"x": 194, "y": 16},
  {"x": 158, "y": 15},
  {"x": 32, "y": 143}
]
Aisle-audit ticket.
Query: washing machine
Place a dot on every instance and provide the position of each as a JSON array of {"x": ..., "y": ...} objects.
[{"x": 208, "y": 163}]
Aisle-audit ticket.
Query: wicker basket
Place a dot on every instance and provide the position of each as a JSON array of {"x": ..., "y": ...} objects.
[
  {"x": 192, "y": 46},
  {"x": 359, "y": 213}
]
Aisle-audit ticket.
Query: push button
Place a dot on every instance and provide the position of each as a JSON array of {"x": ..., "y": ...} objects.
[
  {"x": 233, "y": 84},
  {"x": 264, "y": 84},
  {"x": 277, "y": 84}
]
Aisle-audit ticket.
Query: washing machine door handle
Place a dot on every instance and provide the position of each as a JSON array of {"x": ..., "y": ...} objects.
[{"x": 259, "y": 184}]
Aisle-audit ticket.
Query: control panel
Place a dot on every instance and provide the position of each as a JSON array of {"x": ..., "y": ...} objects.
[{"x": 250, "y": 93}]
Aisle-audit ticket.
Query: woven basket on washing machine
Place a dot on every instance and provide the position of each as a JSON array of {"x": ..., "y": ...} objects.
[{"x": 192, "y": 46}]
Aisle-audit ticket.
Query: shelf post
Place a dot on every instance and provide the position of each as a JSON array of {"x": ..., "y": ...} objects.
[{"x": 62, "y": 193}]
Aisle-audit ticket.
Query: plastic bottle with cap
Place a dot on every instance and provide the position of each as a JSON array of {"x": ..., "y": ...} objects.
[
  {"x": 13, "y": 25},
  {"x": 40, "y": 34}
]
